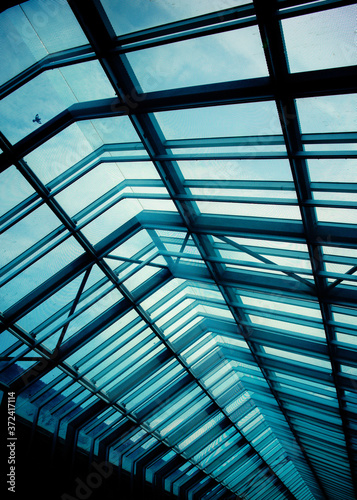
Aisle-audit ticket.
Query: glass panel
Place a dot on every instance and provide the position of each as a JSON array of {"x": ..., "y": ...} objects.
[
  {"x": 26, "y": 233},
  {"x": 30, "y": 31},
  {"x": 235, "y": 170},
  {"x": 331, "y": 113},
  {"x": 13, "y": 189},
  {"x": 76, "y": 142},
  {"x": 250, "y": 210},
  {"x": 49, "y": 94},
  {"x": 324, "y": 170},
  {"x": 321, "y": 40},
  {"x": 40, "y": 271},
  {"x": 221, "y": 121},
  {"x": 7, "y": 340},
  {"x": 138, "y": 170},
  {"x": 110, "y": 220},
  {"x": 110, "y": 338},
  {"x": 287, "y": 326},
  {"x": 49, "y": 308},
  {"x": 93, "y": 312},
  {"x": 140, "y": 277},
  {"x": 90, "y": 187},
  {"x": 336, "y": 215},
  {"x": 221, "y": 57},
  {"x": 281, "y": 306},
  {"x": 298, "y": 357},
  {"x": 159, "y": 12}
]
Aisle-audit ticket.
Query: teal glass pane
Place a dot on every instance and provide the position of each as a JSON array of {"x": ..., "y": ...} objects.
[
  {"x": 40, "y": 271},
  {"x": 220, "y": 121},
  {"x": 221, "y": 57},
  {"x": 75, "y": 143},
  {"x": 309, "y": 42},
  {"x": 48, "y": 95},
  {"x": 33, "y": 29},
  {"x": 232, "y": 170},
  {"x": 27, "y": 232},
  {"x": 13, "y": 189},
  {"x": 331, "y": 113},
  {"x": 124, "y": 16}
]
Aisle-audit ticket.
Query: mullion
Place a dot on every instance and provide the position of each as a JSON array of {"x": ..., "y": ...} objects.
[
  {"x": 12, "y": 348},
  {"x": 94, "y": 160},
  {"x": 101, "y": 108},
  {"x": 75, "y": 172},
  {"x": 299, "y": 398},
  {"x": 308, "y": 425},
  {"x": 135, "y": 259},
  {"x": 100, "y": 434},
  {"x": 264, "y": 312},
  {"x": 278, "y": 155},
  {"x": 257, "y": 265},
  {"x": 224, "y": 451},
  {"x": 146, "y": 262},
  {"x": 130, "y": 261},
  {"x": 244, "y": 249},
  {"x": 98, "y": 207},
  {"x": 234, "y": 476},
  {"x": 209, "y": 451},
  {"x": 251, "y": 484},
  {"x": 74, "y": 394},
  {"x": 52, "y": 396},
  {"x": 178, "y": 316},
  {"x": 294, "y": 8},
  {"x": 74, "y": 305},
  {"x": 9, "y": 360},
  {"x": 160, "y": 302},
  {"x": 275, "y": 297},
  {"x": 181, "y": 402},
  {"x": 291, "y": 385}
]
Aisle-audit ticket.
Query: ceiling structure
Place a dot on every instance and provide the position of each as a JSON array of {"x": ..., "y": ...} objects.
[{"x": 178, "y": 239}]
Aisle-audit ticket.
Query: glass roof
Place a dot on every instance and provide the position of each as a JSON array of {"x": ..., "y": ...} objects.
[{"x": 178, "y": 239}]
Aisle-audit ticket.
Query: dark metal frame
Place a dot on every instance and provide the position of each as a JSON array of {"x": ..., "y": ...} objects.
[{"x": 280, "y": 86}]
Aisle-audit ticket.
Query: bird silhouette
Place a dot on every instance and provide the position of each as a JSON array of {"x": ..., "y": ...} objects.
[{"x": 37, "y": 119}]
